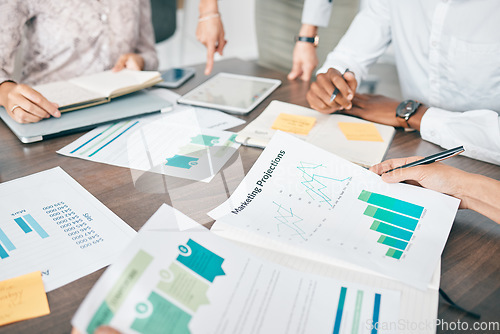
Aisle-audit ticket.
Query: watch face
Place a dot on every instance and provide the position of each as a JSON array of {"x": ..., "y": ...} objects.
[
  {"x": 316, "y": 40},
  {"x": 406, "y": 108}
]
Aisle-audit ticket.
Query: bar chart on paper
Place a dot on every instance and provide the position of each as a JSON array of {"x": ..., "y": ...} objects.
[
  {"x": 28, "y": 225},
  {"x": 394, "y": 219},
  {"x": 49, "y": 223},
  {"x": 355, "y": 309}
]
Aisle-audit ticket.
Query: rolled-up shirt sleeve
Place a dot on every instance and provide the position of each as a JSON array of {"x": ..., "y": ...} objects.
[
  {"x": 317, "y": 12},
  {"x": 364, "y": 42},
  {"x": 146, "y": 43},
  {"x": 477, "y": 130},
  {"x": 13, "y": 16}
]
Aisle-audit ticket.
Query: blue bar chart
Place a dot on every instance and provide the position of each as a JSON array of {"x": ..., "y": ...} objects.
[
  {"x": 5, "y": 245},
  {"x": 394, "y": 219},
  {"x": 340, "y": 310},
  {"x": 353, "y": 306},
  {"x": 376, "y": 313},
  {"x": 22, "y": 224},
  {"x": 35, "y": 226},
  {"x": 27, "y": 224}
]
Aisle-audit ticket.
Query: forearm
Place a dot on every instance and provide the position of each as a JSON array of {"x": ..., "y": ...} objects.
[
  {"x": 5, "y": 88},
  {"x": 13, "y": 15},
  {"x": 481, "y": 194},
  {"x": 365, "y": 41},
  {"x": 308, "y": 30},
  {"x": 146, "y": 44},
  {"x": 207, "y": 7}
]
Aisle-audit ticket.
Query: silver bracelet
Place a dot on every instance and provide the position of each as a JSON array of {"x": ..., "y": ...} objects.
[{"x": 208, "y": 17}]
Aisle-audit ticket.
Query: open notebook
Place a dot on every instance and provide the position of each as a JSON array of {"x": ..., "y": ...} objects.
[
  {"x": 96, "y": 88},
  {"x": 359, "y": 141}
]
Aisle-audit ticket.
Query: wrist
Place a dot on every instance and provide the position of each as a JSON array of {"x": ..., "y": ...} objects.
[
  {"x": 470, "y": 190},
  {"x": 308, "y": 30},
  {"x": 5, "y": 88},
  {"x": 208, "y": 7},
  {"x": 415, "y": 120}
]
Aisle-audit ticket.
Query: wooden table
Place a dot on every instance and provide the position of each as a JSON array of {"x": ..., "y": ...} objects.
[{"x": 470, "y": 261}]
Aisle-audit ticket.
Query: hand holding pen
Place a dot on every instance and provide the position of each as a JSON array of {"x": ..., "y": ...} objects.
[
  {"x": 332, "y": 91},
  {"x": 432, "y": 158}
]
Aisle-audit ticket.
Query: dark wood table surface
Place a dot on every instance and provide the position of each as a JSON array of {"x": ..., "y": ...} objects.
[{"x": 470, "y": 261}]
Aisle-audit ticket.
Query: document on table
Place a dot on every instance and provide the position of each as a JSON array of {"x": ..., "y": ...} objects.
[
  {"x": 165, "y": 145},
  {"x": 196, "y": 282},
  {"x": 299, "y": 198},
  {"x": 50, "y": 223}
]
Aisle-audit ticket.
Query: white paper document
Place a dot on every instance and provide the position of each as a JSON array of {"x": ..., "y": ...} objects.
[
  {"x": 51, "y": 223},
  {"x": 168, "y": 281},
  {"x": 301, "y": 197},
  {"x": 160, "y": 144}
]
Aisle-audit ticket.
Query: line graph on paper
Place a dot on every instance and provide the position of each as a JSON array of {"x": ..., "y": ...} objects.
[
  {"x": 318, "y": 186},
  {"x": 290, "y": 225},
  {"x": 287, "y": 221}
]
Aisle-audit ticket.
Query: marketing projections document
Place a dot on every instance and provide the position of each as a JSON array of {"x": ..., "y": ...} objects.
[
  {"x": 165, "y": 144},
  {"x": 168, "y": 281},
  {"x": 302, "y": 196},
  {"x": 50, "y": 223}
]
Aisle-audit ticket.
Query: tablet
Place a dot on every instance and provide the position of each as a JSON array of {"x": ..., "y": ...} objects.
[{"x": 236, "y": 94}]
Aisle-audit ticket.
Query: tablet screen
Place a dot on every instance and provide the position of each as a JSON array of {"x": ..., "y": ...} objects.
[{"x": 231, "y": 92}]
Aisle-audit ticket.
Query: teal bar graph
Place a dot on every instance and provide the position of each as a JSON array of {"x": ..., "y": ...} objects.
[
  {"x": 394, "y": 253},
  {"x": 396, "y": 243},
  {"x": 391, "y": 217},
  {"x": 22, "y": 224},
  {"x": 340, "y": 310},
  {"x": 391, "y": 230},
  {"x": 34, "y": 224},
  {"x": 392, "y": 204},
  {"x": 376, "y": 313},
  {"x": 6, "y": 241},
  {"x": 3, "y": 253}
]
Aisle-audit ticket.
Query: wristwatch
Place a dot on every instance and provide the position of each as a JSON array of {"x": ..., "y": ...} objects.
[
  {"x": 314, "y": 40},
  {"x": 406, "y": 109}
]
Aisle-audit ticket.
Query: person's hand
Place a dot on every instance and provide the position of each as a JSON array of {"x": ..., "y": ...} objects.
[
  {"x": 321, "y": 90},
  {"x": 376, "y": 108},
  {"x": 305, "y": 61},
  {"x": 26, "y": 105},
  {"x": 436, "y": 176},
  {"x": 131, "y": 61},
  {"x": 210, "y": 32}
]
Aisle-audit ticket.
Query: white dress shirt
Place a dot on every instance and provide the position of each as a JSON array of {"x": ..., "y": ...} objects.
[
  {"x": 317, "y": 12},
  {"x": 448, "y": 57}
]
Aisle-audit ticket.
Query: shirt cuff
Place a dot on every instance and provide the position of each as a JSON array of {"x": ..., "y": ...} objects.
[
  {"x": 150, "y": 61},
  {"x": 430, "y": 123},
  {"x": 316, "y": 13},
  {"x": 6, "y": 80}
]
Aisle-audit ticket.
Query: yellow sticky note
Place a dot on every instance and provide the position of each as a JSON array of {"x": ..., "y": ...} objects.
[
  {"x": 22, "y": 298},
  {"x": 360, "y": 131},
  {"x": 297, "y": 124}
]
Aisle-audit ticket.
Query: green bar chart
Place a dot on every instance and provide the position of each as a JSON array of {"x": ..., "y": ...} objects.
[
  {"x": 395, "y": 219},
  {"x": 392, "y": 204}
]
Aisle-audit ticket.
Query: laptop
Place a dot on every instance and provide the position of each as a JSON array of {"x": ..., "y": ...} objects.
[{"x": 128, "y": 106}]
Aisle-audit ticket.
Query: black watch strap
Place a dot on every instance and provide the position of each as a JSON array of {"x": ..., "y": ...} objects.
[
  {"x": 305, "y": 39},
  {"x": 313, "y": 40}
]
